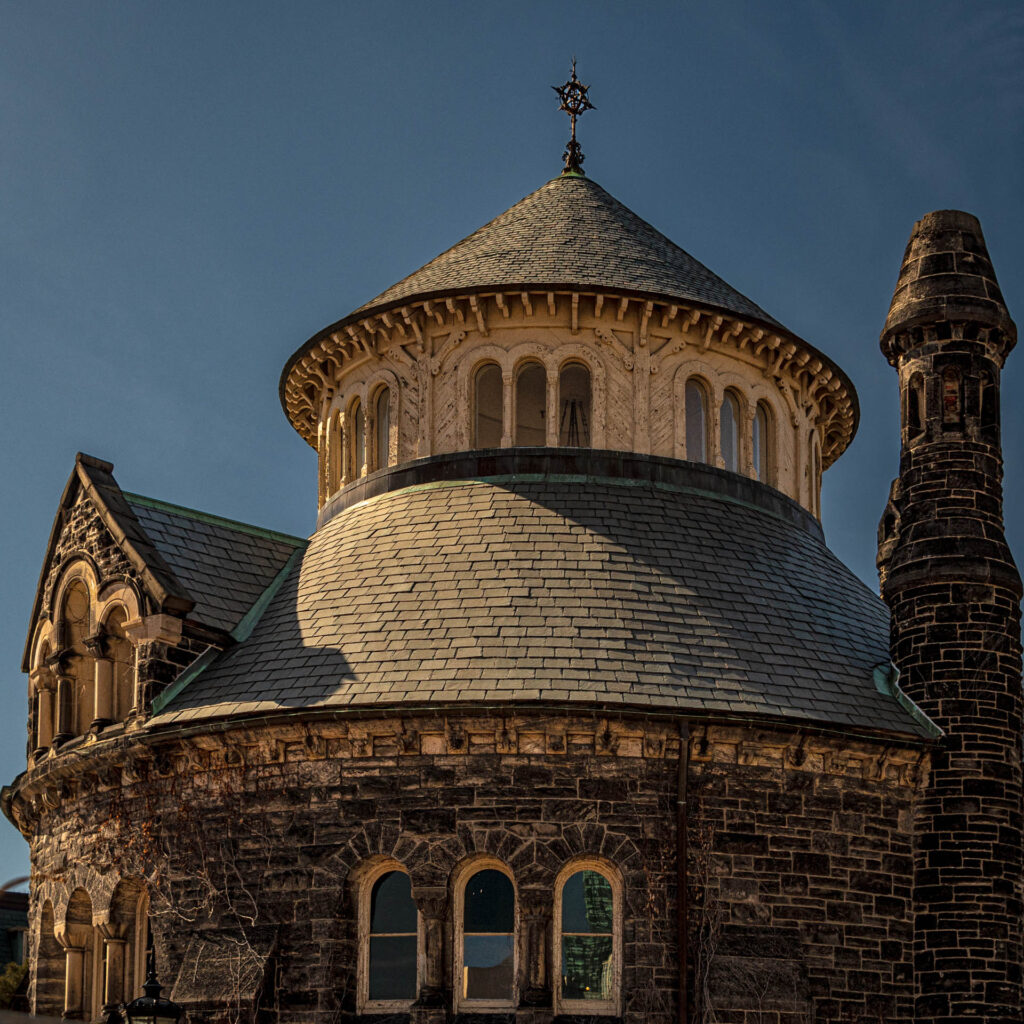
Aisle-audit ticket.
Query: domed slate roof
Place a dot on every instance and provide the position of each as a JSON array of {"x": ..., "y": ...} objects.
[
  {"x": 543, "y": 578},
  {"x": 571, "y": 233}
]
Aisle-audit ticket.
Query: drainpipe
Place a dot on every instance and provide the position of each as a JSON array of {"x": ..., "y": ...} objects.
[{"x": 682, "y": 929}]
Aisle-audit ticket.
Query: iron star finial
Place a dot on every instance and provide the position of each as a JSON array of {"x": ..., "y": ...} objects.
[{"x": 574, "y": 102}]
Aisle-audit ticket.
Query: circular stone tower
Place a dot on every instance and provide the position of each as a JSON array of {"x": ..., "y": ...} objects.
[{"x": 564, "y": 711}]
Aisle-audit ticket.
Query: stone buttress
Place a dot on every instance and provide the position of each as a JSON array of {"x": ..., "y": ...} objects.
[{"x": 950, "y": 581}]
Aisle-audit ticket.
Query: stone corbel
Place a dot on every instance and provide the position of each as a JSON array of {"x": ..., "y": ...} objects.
[{"x": 157, "y": 628}]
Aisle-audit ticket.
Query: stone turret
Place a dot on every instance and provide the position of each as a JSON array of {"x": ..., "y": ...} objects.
[{"x": 954, "y": 593}]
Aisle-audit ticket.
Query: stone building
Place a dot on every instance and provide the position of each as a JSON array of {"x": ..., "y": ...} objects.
[{"x": 565, "y": 711}]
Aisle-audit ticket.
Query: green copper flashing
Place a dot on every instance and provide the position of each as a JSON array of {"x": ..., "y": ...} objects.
[
  {"x": 212, "y": 520},
  {"x": 887, "y": 683},
  {"x": 241, "y": 632}
]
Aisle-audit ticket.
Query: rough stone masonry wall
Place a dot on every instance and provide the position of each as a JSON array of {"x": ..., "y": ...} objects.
[{"x": 799, "y": 857}]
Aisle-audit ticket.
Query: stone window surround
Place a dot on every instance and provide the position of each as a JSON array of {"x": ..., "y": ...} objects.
[
  {"x": 597, "y": 1008},
  {"x": 366, "y": 882}
]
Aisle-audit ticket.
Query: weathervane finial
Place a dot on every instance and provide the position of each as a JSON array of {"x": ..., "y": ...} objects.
[{"x": 574, "y": 102}]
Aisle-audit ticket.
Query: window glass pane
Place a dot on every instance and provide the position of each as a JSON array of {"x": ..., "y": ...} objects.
[
  {"x": 696, "y": 423},
  {"x": 489, "y": 903},
  {"x": 487, "y": 967},
  {"x": 531, "y": 400},
  {"x": 587, "y": 967},
  {"x": 392, "y": 967},
  {"x": 587, "y": 903},
  {"x": 574, "y": 406},
  {"x": 730, "y": 434},
  {"x": 383, "y": 417},
  {"x": 391, "y": 905},
  {"x": 488, "y": 407}
]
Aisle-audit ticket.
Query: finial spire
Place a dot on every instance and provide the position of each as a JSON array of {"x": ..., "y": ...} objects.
[{"x": 574, "y": 102}]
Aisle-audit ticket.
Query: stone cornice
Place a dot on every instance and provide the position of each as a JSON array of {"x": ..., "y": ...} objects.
[{"x": 311, "y": 375}]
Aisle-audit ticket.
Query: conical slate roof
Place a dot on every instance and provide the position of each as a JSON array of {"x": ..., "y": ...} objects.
[{"x": 570, "y": 233}]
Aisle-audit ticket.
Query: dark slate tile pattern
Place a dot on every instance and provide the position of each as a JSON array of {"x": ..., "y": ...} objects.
[
  {"x": 571, "y": 232},
  {"x": 584, "y": 592},
  {"x": 224, "y": 566}
]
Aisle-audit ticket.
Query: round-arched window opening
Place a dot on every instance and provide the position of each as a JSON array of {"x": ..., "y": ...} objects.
[
  {"x": 382, "y": 429},
  {"x": 574, "y": 406},
  {"x": 696, "y": 402},
  {"x": 531, "y": 405},
  {"x": 488, "y": 938},
  {"x": 764, "y": 445},
  {"x": 393, "y": 937},
  {"x": 729, "y": 430},
  {"x": 358, "y": 442},
  {"x": 488, "y": 419}
]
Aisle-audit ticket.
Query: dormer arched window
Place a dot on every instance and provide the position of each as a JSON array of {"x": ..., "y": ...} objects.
[
  {"x": 75, "y": 681},
  {"x": 695, "y": 401},
  {"x": 574, "y": 405},
  {"x": 488, "y": 399},
  {"x": 531, "y": 404},
  {"x": 122, "y": 669}
]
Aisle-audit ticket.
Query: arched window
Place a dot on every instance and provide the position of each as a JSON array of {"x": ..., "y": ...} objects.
[
  {"x": 389, "y": 943},
  {"x": 122, "y": 674},
  {"x": 695, "y": 400},
  {"x": 485, "y": 953},
  {"x": 764, "y": 444},
  {"x": 75, "y": 686},
  {"x": 382, "y": 429},
  {"x": 357, "y": 441},
  {"x": 914, "y": 407},
  {"x": 574, "y": 406},
  {"x": 335, "y": 458},
  {"x": 587, "y": 941},
  {"x": 488, "y": 421},
  {"x": 531, "y": 403},
  {"x": 988, "y": 411},
  {"x": 729, "y": 432}
]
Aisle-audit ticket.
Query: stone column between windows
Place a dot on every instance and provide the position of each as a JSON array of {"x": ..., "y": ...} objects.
[
  {"x": 43, "y": 684},
  {"x": 507, "y": 382},
  {"x": 103, "y": 675},
  {"x": 432, "y": 903},
  {"x": 535, "y": 920},
  {"x": 115, "y": 949},
  {"x": 75, "y": 939},
  {"x": 551, "y": 409}
]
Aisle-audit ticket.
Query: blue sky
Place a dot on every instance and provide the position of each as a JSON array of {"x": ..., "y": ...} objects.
[{"x": 189, "y": 190}]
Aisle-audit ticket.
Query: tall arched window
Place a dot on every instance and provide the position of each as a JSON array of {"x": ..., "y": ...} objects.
[
  {"x": 485, "y": 943},
  {"x": 587, "y": 941},
  {"x": 488, "y": 425},
  {"x": 122, "y": 668},
  {"x": 574, "y": 406},
  {"x": 382, "y": 429},
  {"x": 952, "y": 399},
  {"x": 335, "y": 456},
  {"x": 531, "y": 403},
  {"x": 357, "y": 440},
  {"x": 988, "y": 407},
  {"x": 764, "y": 444},
  {"x": 729, "y": 431},
  {"x": 75, "y": 685},
  {"x": 389, "y": 943},
  {"x": 695, "y": 400}
]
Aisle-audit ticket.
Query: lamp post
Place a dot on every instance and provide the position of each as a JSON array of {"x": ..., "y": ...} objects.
[{"x": 151, "y": 1007}]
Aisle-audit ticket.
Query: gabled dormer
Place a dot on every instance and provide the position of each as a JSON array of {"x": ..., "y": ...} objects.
[{"x": 133, "y": 591}]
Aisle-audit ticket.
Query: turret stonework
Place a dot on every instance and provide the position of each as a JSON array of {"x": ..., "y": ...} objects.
[{"x": 954, "y": 592}]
